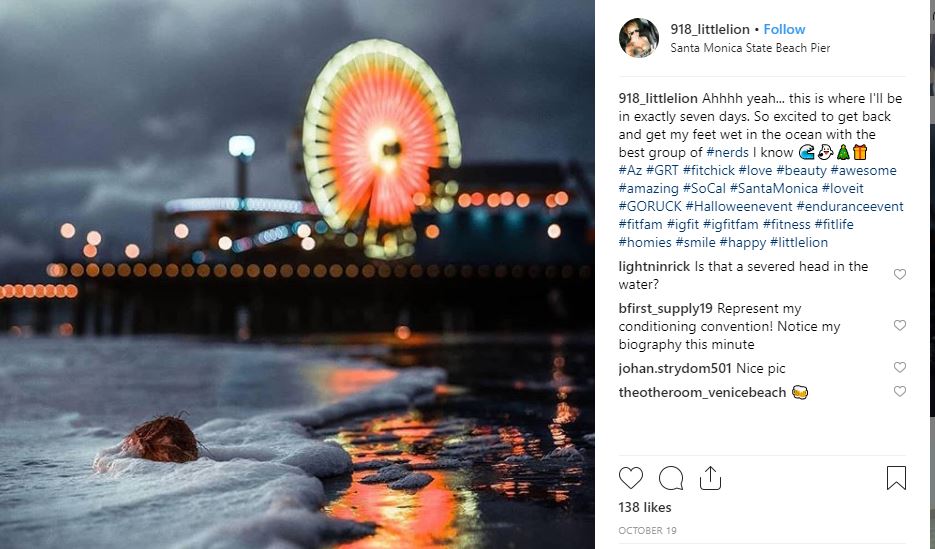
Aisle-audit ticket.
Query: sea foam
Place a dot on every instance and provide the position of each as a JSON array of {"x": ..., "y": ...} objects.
[{"x": 262, "y": 472}]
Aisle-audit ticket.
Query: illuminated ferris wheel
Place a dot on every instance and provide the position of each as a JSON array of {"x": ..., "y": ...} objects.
[{"x": 377, "y": 120}]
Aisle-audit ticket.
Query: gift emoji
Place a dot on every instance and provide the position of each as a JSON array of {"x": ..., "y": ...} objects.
[{"x": 860, "y": 152}]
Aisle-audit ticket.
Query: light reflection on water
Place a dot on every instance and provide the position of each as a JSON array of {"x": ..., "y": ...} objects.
[
  {"x": 523, "y": 403},
  {"x": 343, "y": 382},
  {"x": 426, "y": 518},
  {"x": 446, "y": 512},
  {"x": 565, "y": 413},
  {"x": 529, "y": 399}
]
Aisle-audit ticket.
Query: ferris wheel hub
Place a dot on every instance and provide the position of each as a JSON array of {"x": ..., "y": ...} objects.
[{"x": 385, "y": 149}]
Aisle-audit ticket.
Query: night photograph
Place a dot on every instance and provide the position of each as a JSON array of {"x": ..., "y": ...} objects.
[{"x": 296, "y": 274}]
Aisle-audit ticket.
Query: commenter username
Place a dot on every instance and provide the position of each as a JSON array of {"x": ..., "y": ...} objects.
[{"x": 731, "y": 392}]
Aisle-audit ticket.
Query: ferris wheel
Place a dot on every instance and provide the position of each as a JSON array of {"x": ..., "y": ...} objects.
[{"x": 377, "y": 119}]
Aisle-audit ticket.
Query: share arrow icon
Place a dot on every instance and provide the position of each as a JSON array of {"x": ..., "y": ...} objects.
[{"x": 711, "y": 482}]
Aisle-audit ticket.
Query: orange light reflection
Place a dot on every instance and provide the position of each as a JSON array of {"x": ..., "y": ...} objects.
[
  {"x": 342, "y": 382},
  {"x": 425, "y": 518}
]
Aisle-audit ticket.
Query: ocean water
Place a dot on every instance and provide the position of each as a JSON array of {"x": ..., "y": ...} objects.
[
  {"x": 513, "y": 406},
  {"x": 64, "y": 403},
  {"x": 289, "y": 434}
]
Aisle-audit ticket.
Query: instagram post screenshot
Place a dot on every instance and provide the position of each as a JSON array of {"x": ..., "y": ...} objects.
[
  {"x": 372, "y": 274},
  {"x": 296, "y": 274}
]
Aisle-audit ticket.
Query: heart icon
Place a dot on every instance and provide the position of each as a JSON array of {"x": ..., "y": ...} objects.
[
  {"x": 631, "y": 476},
  {"x": 900, "y": 390},
  {"x": 900, "y": 366},
  {"x": 900, "y": 273},
  {"x": 900, "y": 324}
]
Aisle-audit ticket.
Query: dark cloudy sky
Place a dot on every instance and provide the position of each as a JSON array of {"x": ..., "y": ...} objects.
[{"x": 110, "y": 107}]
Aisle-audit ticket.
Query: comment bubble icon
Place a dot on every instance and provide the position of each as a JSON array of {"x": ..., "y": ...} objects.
[{"x": 671, "y": 478}]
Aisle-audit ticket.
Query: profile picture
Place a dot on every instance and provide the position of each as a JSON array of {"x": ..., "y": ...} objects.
[{"x": 639, "y": 37}]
